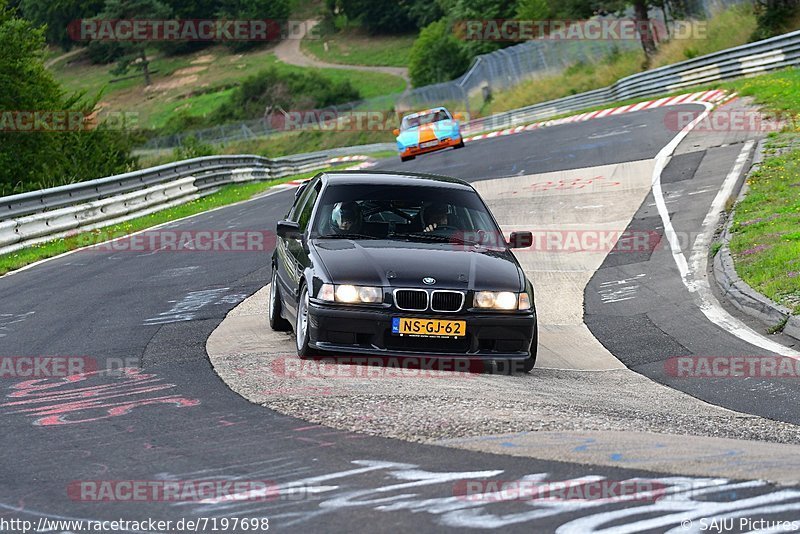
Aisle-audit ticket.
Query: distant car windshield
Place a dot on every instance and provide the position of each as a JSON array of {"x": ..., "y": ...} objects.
[
  {"x": 404, "y": 212},
  {"x": 414, "y": 121}
]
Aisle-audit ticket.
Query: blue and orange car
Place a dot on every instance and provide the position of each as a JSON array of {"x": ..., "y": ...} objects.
[{"x": 427, "y": 131}]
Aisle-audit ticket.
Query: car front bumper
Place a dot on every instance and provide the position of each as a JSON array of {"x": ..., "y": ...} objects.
[
  {"x": 351, "y": 330},
  {"x": 416, "y": 150}
]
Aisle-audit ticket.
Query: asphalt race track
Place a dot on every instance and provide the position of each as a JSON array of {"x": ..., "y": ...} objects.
[{"x": 165, "y": 415}]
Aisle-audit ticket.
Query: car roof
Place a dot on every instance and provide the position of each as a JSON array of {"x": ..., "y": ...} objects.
[
  {"x": 394, "y": 178},
  {"x": 425, "y": 112}
]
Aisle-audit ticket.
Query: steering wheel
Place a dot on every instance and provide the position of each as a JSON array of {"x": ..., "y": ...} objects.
[{"x": 439, "y": 228}]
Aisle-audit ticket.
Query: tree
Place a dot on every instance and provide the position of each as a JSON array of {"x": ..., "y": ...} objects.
[
  {"x": 464, "y": 10},
  {"x": 646, "y": 34},
  {"x": 129, "y": 54},
  {"x": 275, "y": 10},
  {"x": 437, "y": 55},
  {"x": 57, "y": 15},
  {"x": 189, "y": 9},
  {"x": 773, "y": 16},
  {"x": 30, "y": 160},
  {"x": 24, "y": 85},
  {"x": 533, "y": 10},
  {"x": 378, "y": 16}
]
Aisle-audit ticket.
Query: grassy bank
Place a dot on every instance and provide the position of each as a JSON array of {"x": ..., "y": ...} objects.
[
  {"x": 766, "y": 231},
  {"x": 196, "y": 84},
  {"x": 354, "y": 47},
  {"x": 228, "y": 194},
  {"x": 765, "y": 239},
  {"x": 729, "y": 28}
]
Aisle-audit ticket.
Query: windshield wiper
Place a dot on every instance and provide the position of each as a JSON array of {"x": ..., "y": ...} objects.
[
  {"x": 346, "y": 236},
  {"x": 436, "y": 237}
]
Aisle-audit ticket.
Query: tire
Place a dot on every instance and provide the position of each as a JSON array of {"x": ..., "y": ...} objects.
[
  {"x": 460, "y": 144},
  {"x": 276, "y": 321},
  {"x": 407, "y": 158},
  {"x": 301, "y": 329}
]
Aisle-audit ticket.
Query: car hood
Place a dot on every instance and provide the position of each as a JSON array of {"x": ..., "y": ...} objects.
[
  {"x": 402, "y": 264},
  {"x": 428, "y": 132}
]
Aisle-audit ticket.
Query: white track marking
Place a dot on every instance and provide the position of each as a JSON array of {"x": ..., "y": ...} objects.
[{"x": 692, "y": 277}]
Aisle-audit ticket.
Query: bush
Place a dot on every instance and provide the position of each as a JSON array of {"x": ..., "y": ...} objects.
[
  {"x": 437, "y": 56},
  {"x": 270, "y": 89},
  {"x": 193, "y": 148}
]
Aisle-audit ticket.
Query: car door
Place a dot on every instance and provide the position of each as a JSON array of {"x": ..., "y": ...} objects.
[{"x": 292, "y": 254}]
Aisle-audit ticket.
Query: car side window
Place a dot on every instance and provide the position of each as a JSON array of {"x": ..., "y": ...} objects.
[
  {"x": 308, "y": 207},
  {"x": 297, "y": 209}
]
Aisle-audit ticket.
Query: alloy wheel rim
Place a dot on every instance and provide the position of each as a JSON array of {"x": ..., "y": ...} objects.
[
  {"x": 302, "y": 320},
  {"x": 272, "y": 296}
]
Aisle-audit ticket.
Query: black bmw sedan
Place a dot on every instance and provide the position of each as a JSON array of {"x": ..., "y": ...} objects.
[{"x": 374, "y": 263}]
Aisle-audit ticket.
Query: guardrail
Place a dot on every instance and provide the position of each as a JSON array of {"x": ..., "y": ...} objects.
[
  {"x": 762, "y": 56},
  {"x": 31, "y": 218}
]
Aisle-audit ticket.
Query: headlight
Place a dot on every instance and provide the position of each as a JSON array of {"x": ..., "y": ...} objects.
[
  {"x": 350, "y": 294},
  {"x": 502, "y": 300}
]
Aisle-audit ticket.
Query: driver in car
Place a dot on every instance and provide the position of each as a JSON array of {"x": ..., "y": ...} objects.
[
  {"x": 434, "y": 216},
  {"x": 346, "y": 218}
]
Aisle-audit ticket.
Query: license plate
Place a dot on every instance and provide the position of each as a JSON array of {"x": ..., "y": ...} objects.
[
  {"x": 428, "y": 144},
  {"x": 428, "y": 327}
]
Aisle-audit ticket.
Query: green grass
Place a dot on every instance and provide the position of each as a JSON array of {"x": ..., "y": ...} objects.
[
  {"x": 765, "y": 239},
  {"x": 197, "y": 83},
  {"x": 196, "y": 106},
  {"x": 777, "y": 91},
  {"x": 228, "y": 194},
  {"x": 369, "y": 84},
  {"x": 352, "y": 47}
]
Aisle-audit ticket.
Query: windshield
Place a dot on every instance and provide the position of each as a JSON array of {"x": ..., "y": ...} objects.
[
  {"x": 413, "y": 121},
  {"x": 417, "y": 213}
]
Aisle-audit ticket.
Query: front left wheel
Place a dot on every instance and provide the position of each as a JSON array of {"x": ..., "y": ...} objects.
[
  {"x": 301, "y": 328},
  {"x": 276, "y": 321}
]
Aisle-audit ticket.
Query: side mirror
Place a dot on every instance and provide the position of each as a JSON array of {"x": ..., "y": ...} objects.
[
  {"x": 289, "y": 230},
  {"x": 520, "y": 239},
  {"x": 396, "y": 132}
]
